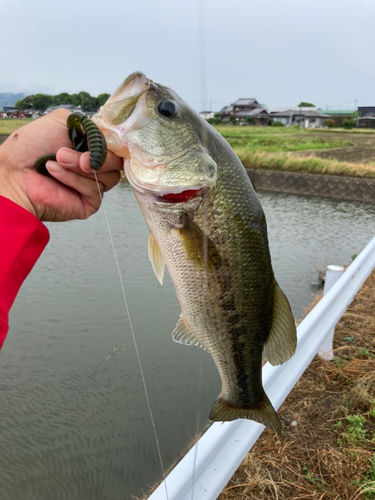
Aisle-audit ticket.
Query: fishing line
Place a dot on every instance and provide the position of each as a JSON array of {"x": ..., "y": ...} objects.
[{"x": 134, "y": 339}]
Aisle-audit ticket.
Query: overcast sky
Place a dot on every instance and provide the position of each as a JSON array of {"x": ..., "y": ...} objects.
[{"x": 278, "y": 51}]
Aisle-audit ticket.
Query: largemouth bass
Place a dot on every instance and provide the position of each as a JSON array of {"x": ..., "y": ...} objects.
[{"x": 208, "y": 227}]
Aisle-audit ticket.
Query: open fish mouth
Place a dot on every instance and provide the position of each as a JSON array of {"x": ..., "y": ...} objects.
[{"x": 182, "y": 197}]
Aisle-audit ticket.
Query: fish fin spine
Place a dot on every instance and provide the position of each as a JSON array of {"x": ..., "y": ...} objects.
[
  {"x": 156, "y": 258},
  {"x": 282, "y": 339},
  {"x": 183, "y": 335},
  {"x": 264, "y": 414}
]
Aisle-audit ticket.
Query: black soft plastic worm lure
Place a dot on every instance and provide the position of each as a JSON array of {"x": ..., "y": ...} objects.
[{"x": 92, "y": 140}]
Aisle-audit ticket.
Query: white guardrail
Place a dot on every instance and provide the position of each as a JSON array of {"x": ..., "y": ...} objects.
[{"x": 208, "y": 466}]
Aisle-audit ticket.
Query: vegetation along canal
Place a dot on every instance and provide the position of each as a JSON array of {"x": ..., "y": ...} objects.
[{"x": 73, "y": 419}]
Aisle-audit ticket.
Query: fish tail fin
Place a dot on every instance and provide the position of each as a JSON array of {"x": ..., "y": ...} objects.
[{"x": 263, "y": 413}]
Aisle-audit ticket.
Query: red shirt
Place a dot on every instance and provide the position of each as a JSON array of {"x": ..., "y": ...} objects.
[{"x": 22, "y": 240}]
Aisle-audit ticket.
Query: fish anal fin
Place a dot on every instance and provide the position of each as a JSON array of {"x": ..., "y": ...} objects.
[
  {"x": 156, "y": 258},
  {"x": 263, "y": 413},
  {"x": 183, "y": 335},
  {"x": 282, "y": 339},
  {"x": 199, "y": 248}
]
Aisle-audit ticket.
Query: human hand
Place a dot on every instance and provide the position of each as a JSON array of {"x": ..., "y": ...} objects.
[{"x": 73, "y": 192}]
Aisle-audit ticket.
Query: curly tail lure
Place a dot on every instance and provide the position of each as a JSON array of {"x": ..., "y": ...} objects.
[{"x": 92, "y": 140}]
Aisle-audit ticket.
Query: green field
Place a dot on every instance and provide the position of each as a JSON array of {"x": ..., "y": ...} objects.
[
  {"x": 337, "y": 151},
  {"x": 9, "y": 125},
  {"x": 326, "y": 151}
]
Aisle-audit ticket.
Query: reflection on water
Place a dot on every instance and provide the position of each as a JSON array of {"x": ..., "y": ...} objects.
[{"x": 73, "y": 417}]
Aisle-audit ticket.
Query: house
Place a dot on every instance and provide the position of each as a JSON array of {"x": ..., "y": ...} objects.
[
  {"x": 366, "y": 111},
  {"x": 366, "y": 117},
  {"x": 207, "y": 114},
  {"x": 11, "y": 112},
  {"x": 307, "y": 117},
  {"x": 69, "y": 107},
  {"x": 243, "y": 110}
]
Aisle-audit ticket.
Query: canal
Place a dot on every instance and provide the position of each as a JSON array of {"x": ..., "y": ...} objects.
[{"x": 74, "y": 422}]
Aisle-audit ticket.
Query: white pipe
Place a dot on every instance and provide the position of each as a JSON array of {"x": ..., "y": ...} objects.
[
  {"x": 333, "y": 274},
  {"x": 208, "y": 466}
]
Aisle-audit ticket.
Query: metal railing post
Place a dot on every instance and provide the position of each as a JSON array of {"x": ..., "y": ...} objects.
[{"x": 333, "y": 274}]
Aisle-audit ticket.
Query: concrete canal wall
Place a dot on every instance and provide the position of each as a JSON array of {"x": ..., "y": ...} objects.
[{"x": 328, "y": 186}]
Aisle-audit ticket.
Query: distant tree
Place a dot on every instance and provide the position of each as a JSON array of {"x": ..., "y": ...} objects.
[
  {"x": 213, "y": 121},
  {"x": 232, "y": 120},
  {"x": 349, "y": 123},
  {"x": 20, "y": 105},
  {"x": 250, "y": 120},
  {"x": 278, "y": 124},
  {"x": 270, "y": 122},
  {"x": 37, "y": 101},
  {"x": 306, "y": 105},
  {"x": 330, "y": 123},
  {"x": 217, "y": 115},
  {"x": 43, "y": 101},
  {"x": 102, "y": 99},
  {"x": 86, "y": 101},
  {"x": 63, "y": 98},
  {"x": 25, "y": 103}
]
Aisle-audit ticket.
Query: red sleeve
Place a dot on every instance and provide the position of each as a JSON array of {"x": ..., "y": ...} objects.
[{"x": 22, "y": 239}]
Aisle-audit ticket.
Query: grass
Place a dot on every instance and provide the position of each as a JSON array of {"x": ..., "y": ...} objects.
[
  {"x": 305, "y": 164},
  {"x": 279, "y": 143},
  {"x": 315, "y": 151},
  {"x": 323, "y": 151},
  {"x": 327, "y": 450},
  {"x": 9, "y": 125}
]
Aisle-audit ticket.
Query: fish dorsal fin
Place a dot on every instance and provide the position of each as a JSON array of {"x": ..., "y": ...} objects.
[
  {"x": 183, "y": 335},
  {"x": 282, "y": 339},
  {"x": 199, "y": 249},
  {"x": 156, "y": 258}
]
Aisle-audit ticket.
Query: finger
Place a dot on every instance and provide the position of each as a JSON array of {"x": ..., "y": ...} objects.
[
  {"x": 111, "y": 163},
  {"x": 109, "y": 180},
  {"x": 68, "y": 158},
  {"x": 87, "y": 188}
]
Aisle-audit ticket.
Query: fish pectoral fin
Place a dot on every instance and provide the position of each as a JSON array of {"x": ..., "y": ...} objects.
[
  {"x": 183, "y": 335},
  {"x": 156, "y": 258},
  {"x": 200, "y": 250},
  {"x": 263, "y": 413},
  {"x": 282, "y": 339}
]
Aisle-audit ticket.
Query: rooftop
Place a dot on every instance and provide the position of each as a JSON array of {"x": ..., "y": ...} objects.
[
  {"x": 337, "y": 111},
  {"x": 251, "y": 112},
  {"x": 303, "y": 108},
  {"x": 305, "y": 112},
  {"x": 245, "y": 102}
]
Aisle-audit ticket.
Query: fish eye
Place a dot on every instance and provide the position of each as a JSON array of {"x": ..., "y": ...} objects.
[{"x": 167, "y": 109}]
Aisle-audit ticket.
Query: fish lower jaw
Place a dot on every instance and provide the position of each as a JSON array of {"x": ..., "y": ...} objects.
[{"x": 174, "y": 194}]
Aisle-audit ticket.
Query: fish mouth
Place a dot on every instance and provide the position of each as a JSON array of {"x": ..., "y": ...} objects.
[
  {"x": 155, "y": 191},
  {"x": 181, "y": 197}
]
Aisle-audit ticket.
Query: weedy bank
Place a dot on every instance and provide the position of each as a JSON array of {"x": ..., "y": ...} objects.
[
  {"x": 338, "y": 152},
  {"x": 327, "y": 450}
]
